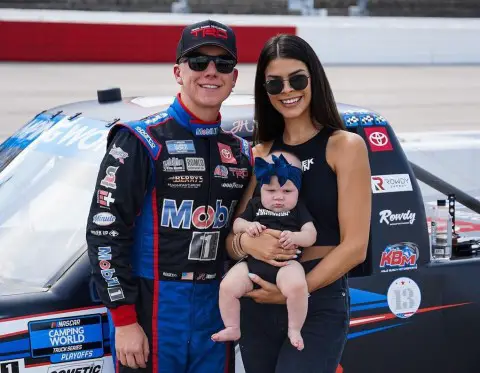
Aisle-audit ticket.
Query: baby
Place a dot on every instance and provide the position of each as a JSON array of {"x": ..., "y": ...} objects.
[{"x": 279, "y": 177}]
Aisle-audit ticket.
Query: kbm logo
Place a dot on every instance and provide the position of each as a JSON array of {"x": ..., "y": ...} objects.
[
  {"x": 91, "y": 367},
  {"x": 201, "y": 218},
  {"x": 399, "y": 257}
]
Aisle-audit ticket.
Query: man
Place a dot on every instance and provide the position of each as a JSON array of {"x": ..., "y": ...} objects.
[{"x": 165, "y": 194}]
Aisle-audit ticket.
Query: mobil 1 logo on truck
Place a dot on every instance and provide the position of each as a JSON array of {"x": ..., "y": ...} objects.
[{"x": 69, "y": 339}]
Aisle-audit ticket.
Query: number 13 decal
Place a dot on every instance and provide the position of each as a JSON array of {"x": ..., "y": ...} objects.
[{"x": 404, "y": 297}]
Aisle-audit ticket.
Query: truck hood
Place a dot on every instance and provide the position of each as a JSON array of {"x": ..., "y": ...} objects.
[{"x": 12, "y": 287}]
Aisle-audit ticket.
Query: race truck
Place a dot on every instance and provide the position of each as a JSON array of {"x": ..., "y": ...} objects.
[{"x": 409, "y": 312}]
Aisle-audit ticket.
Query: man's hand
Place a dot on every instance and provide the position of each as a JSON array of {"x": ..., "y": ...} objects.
[
  {"x": 267, "y": 248},
  {"x": 269, "y": 293},
  {"x": 131, "y": 345}
]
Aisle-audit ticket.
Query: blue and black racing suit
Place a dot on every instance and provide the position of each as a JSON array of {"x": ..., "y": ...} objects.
[{"x": 164, "y": 198}]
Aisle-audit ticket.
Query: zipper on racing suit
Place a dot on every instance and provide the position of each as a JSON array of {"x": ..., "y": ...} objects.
[{"x": 209, "y": 177}]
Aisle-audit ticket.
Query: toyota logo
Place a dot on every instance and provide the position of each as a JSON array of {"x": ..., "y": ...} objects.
[
  {"x": 378, "y": 139},
  {"x": 226, "y": 153}
]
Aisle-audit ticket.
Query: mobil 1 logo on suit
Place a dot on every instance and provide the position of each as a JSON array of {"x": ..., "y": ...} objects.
[{"x": 204, "y": 246}]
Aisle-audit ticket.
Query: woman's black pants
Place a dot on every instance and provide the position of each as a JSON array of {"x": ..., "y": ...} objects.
[{"x": 265, "y": 346}]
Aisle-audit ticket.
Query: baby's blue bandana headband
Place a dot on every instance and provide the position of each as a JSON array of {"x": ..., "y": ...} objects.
[{"x": 280, "y": 168}]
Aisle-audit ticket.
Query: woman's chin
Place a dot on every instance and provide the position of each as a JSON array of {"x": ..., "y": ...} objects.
[{"x": 291, "y": 113}]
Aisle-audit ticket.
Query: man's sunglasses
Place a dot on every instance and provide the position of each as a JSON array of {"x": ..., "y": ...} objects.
[
  {"x": 223, "y": 64},
  {"x": 275, "y": 86}
]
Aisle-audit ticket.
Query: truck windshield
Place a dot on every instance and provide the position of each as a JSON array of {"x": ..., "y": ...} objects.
[{"x": 47, "y": 177}]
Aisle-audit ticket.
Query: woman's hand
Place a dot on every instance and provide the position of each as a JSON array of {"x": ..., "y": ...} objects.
[
  {"x": 267, "y": 248},
  {"x": 269, "y": 293}
]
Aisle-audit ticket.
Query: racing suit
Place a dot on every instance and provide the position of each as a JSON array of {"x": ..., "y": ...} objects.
[{"x": 164, "y": 198}]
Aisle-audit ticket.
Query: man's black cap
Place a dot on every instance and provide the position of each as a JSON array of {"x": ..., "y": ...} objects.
[{"x": 207, "y": 33}]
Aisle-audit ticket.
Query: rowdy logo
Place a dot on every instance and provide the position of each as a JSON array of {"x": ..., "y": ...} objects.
[
  {"x": 389, "y": 218},
  {"x": 391, "y": 183}
]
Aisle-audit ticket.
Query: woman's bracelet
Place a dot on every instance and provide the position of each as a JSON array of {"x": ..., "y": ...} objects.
[
  {"x": 234, "y": 245},
  {"x": 237, "y": 246}
]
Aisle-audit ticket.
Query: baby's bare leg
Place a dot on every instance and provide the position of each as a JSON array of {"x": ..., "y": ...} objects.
[
  {"x": 292, "y": 283},
  {"x": 234, "y": 285}
]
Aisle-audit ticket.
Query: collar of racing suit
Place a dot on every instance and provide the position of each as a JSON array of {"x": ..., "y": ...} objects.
[{"x": 191, "y": 122}]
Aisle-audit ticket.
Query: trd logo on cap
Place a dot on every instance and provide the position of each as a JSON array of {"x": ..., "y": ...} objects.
[{"x": 213, "y": 31}]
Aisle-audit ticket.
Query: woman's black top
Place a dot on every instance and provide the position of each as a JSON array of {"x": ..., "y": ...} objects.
[{"x": 319, "y": 185}]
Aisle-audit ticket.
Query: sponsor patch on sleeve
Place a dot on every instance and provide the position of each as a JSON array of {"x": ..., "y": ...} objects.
[{"x": 140, "y": 129}]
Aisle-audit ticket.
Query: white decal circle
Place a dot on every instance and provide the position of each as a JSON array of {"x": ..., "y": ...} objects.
[{"x": 404, "y": 297}]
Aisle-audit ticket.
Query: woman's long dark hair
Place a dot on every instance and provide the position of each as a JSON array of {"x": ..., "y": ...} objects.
[{"x": 323, "y": 109}]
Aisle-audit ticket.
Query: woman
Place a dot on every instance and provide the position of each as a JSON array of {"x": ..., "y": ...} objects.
[{"x": 296, "y": 112}]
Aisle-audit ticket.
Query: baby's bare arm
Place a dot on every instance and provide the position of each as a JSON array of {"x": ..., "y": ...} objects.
[
  {"x": 240, "y": 225},
  {"x": 307, "y": 235}
]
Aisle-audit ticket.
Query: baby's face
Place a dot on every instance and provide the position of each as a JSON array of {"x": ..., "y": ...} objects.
[{"x": 279, "y": 198}]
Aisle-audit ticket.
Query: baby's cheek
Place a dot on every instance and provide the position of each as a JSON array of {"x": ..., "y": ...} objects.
[
  {"x": 290, "y": 201},
  {"x": 266, "y": 200}
]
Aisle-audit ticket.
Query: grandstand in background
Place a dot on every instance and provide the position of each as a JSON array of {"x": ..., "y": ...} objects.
[{"x": 396, "y": 8}]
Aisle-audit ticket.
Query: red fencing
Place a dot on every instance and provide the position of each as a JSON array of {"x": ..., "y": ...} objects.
[{"x": 85, "y": 42}]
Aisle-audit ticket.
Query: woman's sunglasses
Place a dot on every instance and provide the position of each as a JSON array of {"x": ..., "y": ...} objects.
[
  {"x": 275, "y": 86},
  {"x": 224, "y": 65}
]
